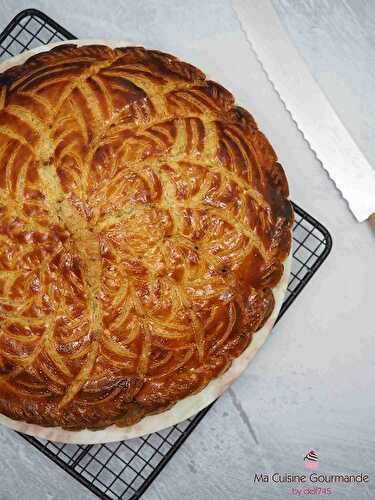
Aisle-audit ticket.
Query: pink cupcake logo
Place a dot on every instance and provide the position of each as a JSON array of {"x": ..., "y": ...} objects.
[{"x": 311, "y": 459}]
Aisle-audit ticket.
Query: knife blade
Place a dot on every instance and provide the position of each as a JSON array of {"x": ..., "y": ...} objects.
[{"x": 310, "y": 109}]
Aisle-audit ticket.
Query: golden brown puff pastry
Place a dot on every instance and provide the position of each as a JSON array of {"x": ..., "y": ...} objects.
[{"x": 144, "y": 220}]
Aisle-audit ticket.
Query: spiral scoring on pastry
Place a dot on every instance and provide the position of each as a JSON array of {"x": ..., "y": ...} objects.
[{"x": 143, "y": 223}]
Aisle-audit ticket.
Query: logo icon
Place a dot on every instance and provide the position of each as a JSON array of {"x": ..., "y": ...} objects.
[{"x": 311, "y": 460}]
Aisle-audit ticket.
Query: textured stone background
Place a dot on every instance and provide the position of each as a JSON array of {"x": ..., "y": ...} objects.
[
  {"x": 312, "y": 383},
  {"x": 337, "y": 40}
]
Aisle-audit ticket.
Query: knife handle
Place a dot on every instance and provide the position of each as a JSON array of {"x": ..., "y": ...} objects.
[{"x": 372, "y": 221}]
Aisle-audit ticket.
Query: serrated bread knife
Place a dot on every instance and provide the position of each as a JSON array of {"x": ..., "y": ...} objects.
[{"x": 310, "y": 109}]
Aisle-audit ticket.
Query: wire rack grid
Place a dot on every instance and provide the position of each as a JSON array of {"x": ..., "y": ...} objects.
[{"x": 124, "y": 470}]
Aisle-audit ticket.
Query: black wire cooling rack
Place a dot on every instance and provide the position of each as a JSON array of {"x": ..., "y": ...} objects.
[{"x": 124, "y": 470}]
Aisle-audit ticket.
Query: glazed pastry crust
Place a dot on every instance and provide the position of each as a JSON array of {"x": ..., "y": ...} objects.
[{"x": 144, "y": 220}]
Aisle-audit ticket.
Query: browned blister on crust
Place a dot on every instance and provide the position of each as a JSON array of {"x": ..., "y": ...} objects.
[{"x": 144, "y": 220}]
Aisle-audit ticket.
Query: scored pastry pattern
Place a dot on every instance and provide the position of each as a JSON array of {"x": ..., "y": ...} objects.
[{"x": 143, "y": 223}]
